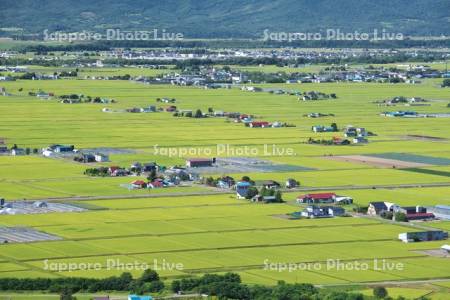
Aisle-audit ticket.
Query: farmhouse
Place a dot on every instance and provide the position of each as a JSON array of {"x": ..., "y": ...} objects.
[
  {"x": 148, "y": 167},
  {"x": 266, "y": 199},
  {"x": 43, "y": 95},
  {"x": 200, "y": 162},
  {"x": 85, "y": 158},
  {"x": 53, "y": 149},
  {"x": 139, "y": 184},
  {"x": 171, "y": 108},
  {"x": 70, "y": 101},
  {"x": 446, "y": 248},
  {"x": 251, "y": 89},
  {"x": 7, "y": 78},
  {"x": 225, "y": 182},
  {"x": 185, "y": 112},
  {"x": 117, "y": 171},
  {"x": 167, "y": 100},
  {"x": 339, "y": 141},
  {"x": 343, "y": 200},
  {"x": 149, "y": 109},
  {"x": 3, "y": 147},
  {"x": 100, "y": 157},
  {"x": 3, "y": 92},
  {"x": 17, "y": 151},
  {"x": 135, "y": 297},
  {"x": 136, "y": 167},
  {"x": 416, "y": 213},
  {"x": 401, "y": 114},
  {"x": 291, "y": 183},
  {"x": 360, "y": 140},
  {"x": 318, "y": 115},
  {"x": 313, "y": 211},
  {"x": 351, "y": 131},
  {"x": 320, "y": 128},
  {"x": 420, "y": 216},
  {"x": 376, "y": 208},
  {"x": 259, "y": 124},
  {"x": 317, "y": 198},
  {"x": 157, "y": 183},
  {"x": 242, "y": 188},
  {"x": 423, "y": 236},
  {"x": 270, "y": 184},
  {"x": 61, "y": 148}
]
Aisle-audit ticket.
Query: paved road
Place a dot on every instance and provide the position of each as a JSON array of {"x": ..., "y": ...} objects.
[{"x": 221, "y": 192}]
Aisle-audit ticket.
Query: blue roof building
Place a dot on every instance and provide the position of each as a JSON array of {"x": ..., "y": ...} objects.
[
  {"x": 136, "y": 297},
  {"x": 242, "y": 189}
]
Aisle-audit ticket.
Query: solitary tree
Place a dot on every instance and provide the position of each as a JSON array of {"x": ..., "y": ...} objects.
[
  {"x": 278, "y": 197},
  {"x": 251, "y": 192},
  {"x": 152, "y": 175},
  {"x": 334, "y": 126},
  {"x": 380, "y": 292},
  {"x": 245, "y": 178},
  {"x": 198, "y": 113},
  {"x": 149, "y": 276},
  {"x": 400, "y": 217},
  {"x": 66, "y": 294}
]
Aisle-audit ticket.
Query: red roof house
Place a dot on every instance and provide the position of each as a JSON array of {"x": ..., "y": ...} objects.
[
  {"x": 317, "y": 198},
  {"x": 171, "y": 108},
  {"x": 420, "y": 216},
  {"x": 156, "y": 184},
  {"x": 139, "y": 184},
  {"x": 260, "y": 124}
]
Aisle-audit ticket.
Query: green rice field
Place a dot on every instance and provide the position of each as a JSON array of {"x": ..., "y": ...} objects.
[{"x": 215, "y": 233}]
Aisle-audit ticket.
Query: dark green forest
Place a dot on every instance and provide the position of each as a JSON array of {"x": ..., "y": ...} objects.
[{"x": 227, "y": 19}]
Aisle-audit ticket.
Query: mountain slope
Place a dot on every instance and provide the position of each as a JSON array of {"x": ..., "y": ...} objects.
[{"x": 232, "y": 18}]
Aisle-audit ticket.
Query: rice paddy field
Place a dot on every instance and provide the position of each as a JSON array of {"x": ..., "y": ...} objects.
[{"x": 215, "y": 233}]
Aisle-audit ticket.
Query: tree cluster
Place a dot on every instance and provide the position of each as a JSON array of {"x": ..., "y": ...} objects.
[
  {"x": 229, "y": 286},
  {"x": 148, "y": 282}
]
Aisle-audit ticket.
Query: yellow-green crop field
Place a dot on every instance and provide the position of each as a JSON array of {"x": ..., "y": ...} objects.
[{"x": 215, "y": 233}]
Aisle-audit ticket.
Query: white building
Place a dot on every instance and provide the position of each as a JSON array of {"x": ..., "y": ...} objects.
[{"x": 99, "y": 157}]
